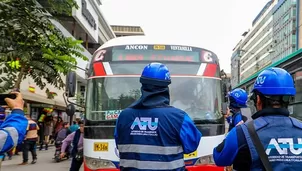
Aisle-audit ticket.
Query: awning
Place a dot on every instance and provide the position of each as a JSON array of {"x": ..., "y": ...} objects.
[
  {"x": 60, "y": 105},
  {"x": 36, "y": 97},
  {"x": 41, "y": 99}
]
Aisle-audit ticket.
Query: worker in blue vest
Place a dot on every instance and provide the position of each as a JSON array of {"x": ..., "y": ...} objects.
[
  {"x": 237, "y": 100},
  {"x": 279, "y": 134},
  {"x": 150, "y": 134},
  {"x": 13, "y": 128}
]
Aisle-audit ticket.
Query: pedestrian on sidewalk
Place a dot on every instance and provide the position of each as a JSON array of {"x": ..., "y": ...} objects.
[
  {"x": 18, "y": 149},
  {"x": 76, "y": 139},
  {"x": 30, "y": 141},
  {"x": 74, "y": 126},
  {"x": 10, "y": 154},
  {"x": 47, "y": 132},
  {"x": 57, "y": 127}
]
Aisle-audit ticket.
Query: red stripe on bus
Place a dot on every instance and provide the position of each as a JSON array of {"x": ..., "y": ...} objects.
[
  {"x": 99, "y": 69},
  {"x": 210, "y": 70}
]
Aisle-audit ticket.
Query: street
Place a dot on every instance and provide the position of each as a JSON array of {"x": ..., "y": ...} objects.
[{"x": 44, "y": 163}]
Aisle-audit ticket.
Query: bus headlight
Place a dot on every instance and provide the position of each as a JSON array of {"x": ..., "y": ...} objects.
[
  {"x": 205, "y": 160},
  {"x": 94, "y": 163}
]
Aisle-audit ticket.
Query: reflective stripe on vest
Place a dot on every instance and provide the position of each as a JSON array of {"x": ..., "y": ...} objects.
[
  {"x": 3, "y": 135},
  {"x": 152, "y": 165},
  {"x": 150, "y": 149}
]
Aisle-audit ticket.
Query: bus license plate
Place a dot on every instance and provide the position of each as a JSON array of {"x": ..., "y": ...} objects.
[
  {"x": 194, "y": 154},
  {"x": 103, "y": 146}
]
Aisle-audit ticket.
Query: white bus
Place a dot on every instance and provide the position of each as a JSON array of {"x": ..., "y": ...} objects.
[{"x": 113, "y": 84}]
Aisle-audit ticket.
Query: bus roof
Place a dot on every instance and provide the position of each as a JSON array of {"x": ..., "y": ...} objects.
[{"x": 134, "y": 40}]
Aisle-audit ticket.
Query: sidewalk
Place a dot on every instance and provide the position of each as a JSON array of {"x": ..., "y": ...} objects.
[{"x": 44, "y": 163}]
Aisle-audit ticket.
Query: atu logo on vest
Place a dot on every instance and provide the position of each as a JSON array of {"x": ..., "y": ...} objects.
[
  {"x": 143, "y": 122},
  {"x": 285, "y": 144}
]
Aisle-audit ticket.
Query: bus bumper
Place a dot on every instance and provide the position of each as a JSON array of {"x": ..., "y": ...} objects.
[
  {"x": 188, "y": 168},
  {"x": 204, "y": 167},
  {"x": 87, "y": 169}
]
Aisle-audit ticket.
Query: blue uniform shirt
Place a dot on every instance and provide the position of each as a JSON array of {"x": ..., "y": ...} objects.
[{"x": 234, "y": 120}]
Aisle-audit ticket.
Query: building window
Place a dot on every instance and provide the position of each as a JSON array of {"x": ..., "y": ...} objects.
[{"x": 286, "y": 18}]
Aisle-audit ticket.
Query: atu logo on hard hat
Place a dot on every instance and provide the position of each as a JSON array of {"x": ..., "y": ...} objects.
[
  {"x": 260, "y": 80},
  {"x": 167, "y": 76}
]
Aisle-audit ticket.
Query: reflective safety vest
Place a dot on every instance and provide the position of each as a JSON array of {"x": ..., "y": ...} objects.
[
  {"x": 281, "y": 137},
  {"x": 233, "y": 119},
  {"x": 155, "y": 139}
]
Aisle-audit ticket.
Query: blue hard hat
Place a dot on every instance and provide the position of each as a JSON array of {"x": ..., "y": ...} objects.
[
  {"x": 238, "y": 98},
  {"x": 156, "y": 74},
  {"x": 275, "y": 81}
]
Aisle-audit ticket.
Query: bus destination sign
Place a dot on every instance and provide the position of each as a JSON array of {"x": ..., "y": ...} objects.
[
  {"x": 155, "y": 57},
  {"x": 156, "y": 53}
]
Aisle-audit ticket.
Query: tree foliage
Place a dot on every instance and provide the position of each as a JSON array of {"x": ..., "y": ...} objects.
[{"x": 31, "y": 46}]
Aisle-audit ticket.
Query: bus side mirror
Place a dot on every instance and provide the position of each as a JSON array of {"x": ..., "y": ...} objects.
[
  {"x": 71, "y": 80},
  {"x": 70, "y": 110}
]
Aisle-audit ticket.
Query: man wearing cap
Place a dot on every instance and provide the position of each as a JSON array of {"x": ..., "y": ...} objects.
[
  {"x": 150, "y": 134},
  {"x": 238, "y": 99}
]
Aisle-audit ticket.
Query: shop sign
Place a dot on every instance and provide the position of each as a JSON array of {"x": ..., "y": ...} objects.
[
  {"x": 41, "y": 105},
  {"x": 87, "y": 17}
]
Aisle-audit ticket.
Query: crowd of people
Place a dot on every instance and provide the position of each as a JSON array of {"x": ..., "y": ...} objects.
[{"x": 37, "y": 133}]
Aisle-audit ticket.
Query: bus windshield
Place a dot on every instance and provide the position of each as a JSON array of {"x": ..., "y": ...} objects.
[{"x": 197, "y": 96}]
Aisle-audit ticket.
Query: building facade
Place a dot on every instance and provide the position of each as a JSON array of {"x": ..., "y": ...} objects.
[
  {"x": 235, "y": 66},
  {"x": 280, "y": 46},
  {"x": 284, "y": 29},
  {"x": 121, "y": 31},
  {"x": 87, "y": 23},
  {"x": 258, "y": 42},
  {"x": 226, "y": 85}
]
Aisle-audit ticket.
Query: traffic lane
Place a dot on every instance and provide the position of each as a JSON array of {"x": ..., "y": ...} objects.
[{"x": 44, "y": 163}]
